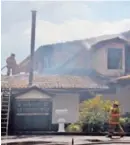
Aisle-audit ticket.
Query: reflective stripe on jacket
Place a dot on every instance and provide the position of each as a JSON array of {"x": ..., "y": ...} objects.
[{"x": 114, "y": 116}]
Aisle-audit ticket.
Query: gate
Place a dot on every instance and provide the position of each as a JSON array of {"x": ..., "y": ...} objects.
[{"x": 32, "y": 114}]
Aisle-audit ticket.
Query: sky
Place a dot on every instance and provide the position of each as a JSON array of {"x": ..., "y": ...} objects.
[{"x": 58, "y": 21}]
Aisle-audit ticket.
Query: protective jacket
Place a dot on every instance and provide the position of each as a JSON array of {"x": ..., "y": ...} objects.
[
  {"x": 11, "y": 62},
  {"x": 114, "y": 116}
]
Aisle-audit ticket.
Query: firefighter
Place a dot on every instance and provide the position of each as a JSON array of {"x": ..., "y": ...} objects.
[
  {"x": 114, "y": 120},
  {"x": 11, "y": 64}
]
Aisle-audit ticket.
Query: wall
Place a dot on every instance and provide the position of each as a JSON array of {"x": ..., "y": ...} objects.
[
  {"x": 123, "y": 96},
  {"x": 60, "y": 101},
  {"x": 99, "y": 60},
  {"x": 69, "y": 101}
]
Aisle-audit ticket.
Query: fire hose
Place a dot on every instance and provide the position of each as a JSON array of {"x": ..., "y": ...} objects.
[{"x": 3, "y": 67}]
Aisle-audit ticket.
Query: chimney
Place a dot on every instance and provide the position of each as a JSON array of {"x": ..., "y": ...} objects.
[{"x": 33, "y": 27}]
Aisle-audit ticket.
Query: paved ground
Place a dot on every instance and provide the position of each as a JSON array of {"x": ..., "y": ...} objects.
[{"x": 66, "y": 140}]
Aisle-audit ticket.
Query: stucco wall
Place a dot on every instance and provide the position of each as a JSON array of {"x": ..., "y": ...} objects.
[
  {"x": 123, "y": 96},
  {"x": 99, "y": 60},
  {"x": 69, "y": 102}
]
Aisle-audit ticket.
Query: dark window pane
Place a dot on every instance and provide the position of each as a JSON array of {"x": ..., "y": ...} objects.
[
  {"x": 114, "y": 58},
  {"x": 127, "y": 58}
]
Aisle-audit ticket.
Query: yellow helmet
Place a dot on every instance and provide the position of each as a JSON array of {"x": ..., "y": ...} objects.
[{"x": 116, "y": 103}]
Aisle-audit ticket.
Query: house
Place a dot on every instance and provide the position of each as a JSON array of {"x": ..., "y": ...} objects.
[
  {"x": 61, "y": 58},
  {"x": 108, "y": 56},
  {"x": 33, "y": 109},
  {"x": 66, "y": 74}
]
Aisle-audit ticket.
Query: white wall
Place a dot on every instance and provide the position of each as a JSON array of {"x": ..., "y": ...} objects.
[
  {"x": 123, "y": 96},
  {"x": 66, "y": 101}
]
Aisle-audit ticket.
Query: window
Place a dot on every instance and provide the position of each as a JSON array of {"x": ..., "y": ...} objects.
[
  {"x": 114, "y": 58},
  {"x": 46, "y": 62}
]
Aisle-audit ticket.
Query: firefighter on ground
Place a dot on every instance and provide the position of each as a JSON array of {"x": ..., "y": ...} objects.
[
  {"x": 114, "y": 120},
  {"x": 11, "y": 64}
]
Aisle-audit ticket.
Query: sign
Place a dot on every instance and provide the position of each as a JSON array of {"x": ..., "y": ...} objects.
[
  {"x": 33, "y": 107},
  {"x": 61, "y": 111}
]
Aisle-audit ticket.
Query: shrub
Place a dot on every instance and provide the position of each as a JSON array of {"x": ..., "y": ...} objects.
[
  {"x": 123, "y": 120},
  {"x": 95, "y": 111},
  {"x": 74, "y": 128},
  {"x": 94, "y": 116}
]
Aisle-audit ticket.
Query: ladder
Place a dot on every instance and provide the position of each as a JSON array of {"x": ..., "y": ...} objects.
[{"x": 5, "y": 110}]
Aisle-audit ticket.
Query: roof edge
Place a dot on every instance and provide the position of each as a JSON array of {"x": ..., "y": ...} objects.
[{"x": 26, "y": 90}]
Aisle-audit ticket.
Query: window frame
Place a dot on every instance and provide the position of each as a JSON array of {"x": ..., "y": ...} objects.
[{"x": 108, "y": 65}]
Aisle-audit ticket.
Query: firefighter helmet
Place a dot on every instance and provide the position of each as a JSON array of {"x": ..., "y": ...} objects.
[
  {"x": 12, "y": 54},
  {"x": 116, "y": 103}
]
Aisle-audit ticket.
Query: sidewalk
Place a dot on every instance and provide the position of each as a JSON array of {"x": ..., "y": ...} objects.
[{"x": 65, "y": 140}]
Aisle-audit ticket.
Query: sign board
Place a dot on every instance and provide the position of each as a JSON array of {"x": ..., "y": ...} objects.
[
  {"x": 33, "y": 107},
  {"x": 61, "y": 112}
]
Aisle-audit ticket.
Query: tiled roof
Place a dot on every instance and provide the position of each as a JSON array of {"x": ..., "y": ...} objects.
[
  {"x": 124, "y": 79},
  {"x": 127, "y": 77},
  {"x": 95, "y": 40},
  {"x": 53, "y": 81}
]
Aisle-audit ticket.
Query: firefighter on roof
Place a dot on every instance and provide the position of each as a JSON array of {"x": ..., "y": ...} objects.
[
  {"x": 114, "y": 120},
  {"x": 11, "y": 64}
]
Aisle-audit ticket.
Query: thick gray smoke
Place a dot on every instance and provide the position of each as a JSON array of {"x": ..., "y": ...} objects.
[{"x": 63, "y": 58}]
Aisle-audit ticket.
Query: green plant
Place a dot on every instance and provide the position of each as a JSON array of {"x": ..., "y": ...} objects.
[
  {"x": 127, "y": 119},
  {"x": 74, "y": 128},
  {"x": 95, "y": 111},
  {"x": 123, "y": 120}
]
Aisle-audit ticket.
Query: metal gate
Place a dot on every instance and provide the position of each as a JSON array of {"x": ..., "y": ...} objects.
[{"x": 32, "y": 115}]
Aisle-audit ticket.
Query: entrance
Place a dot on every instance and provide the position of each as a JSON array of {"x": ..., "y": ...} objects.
[{"x": 32, "y": 115}]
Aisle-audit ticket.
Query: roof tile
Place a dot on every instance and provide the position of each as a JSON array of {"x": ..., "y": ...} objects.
[
  {"x": 53, "y": 81},
  {"x": 127, "y": 77}
]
